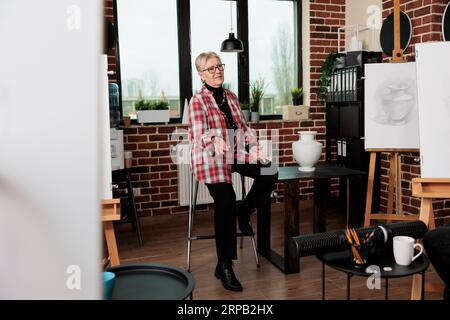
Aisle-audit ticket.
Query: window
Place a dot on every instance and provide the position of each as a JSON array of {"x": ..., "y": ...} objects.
[
  {"x": 160, "y": 39},
  {"x": 272, "y": 46},
  {"x": 210, "y": 25},
  {"x": 148, "y": 53}
]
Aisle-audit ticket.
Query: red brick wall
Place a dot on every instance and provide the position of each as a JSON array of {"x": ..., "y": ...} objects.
[
  {"x": 326, "y": 16},
  {"x": 426, "y": 18},
  {"x": 151, "y": 146},
  {"x": 109, "y": 14},
  {"x": 157, "y": 176}
]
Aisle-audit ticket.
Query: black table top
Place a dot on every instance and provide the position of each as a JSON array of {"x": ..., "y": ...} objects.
[
  {"x": 342, "y": 261},
  {"x": 151, "y": 281},
  {"x": 322, "y": 171}
]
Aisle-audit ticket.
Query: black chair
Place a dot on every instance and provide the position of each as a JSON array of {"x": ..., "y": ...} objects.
[
  {"x": 437, "y": 246},
  {"x": 193, "y": 188},
  {"x": 124, "y": 191}
]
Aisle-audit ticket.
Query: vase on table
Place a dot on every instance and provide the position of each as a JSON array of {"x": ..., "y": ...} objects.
[{"x": 307, "y": 150}]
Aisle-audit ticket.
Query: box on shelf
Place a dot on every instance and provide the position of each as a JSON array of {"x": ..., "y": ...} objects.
[{"x": 295, "y": 112}]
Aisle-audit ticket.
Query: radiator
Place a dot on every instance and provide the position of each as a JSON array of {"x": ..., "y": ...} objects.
[{"x": 203, "y": 196}]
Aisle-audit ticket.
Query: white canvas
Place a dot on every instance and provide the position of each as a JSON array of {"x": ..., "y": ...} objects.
[
  {"x": 391, "y": 114},
  {"x": 433, "y": 71}
]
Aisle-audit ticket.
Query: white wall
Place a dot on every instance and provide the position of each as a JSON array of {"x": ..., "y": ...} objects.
[
  {"x": 366, "y": 12},
  {"x": 49, "y": 149}
]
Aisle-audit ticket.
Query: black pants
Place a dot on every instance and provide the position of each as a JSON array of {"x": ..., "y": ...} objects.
[
  {"x": 225, "y": 205},
  {"x": 437, "y": 245}
]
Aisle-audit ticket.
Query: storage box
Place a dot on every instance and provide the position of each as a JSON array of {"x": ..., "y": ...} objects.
[{"x": 295, "y": 112}]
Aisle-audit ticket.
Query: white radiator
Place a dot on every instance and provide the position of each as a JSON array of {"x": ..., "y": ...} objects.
[{"x": 203, "y": 194}]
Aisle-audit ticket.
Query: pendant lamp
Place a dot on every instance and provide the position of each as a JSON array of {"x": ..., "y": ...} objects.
[{"x": 232, "y": 44}]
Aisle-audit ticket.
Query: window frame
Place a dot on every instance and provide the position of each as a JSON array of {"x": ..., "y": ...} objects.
[{"x": 184, "y": 54}]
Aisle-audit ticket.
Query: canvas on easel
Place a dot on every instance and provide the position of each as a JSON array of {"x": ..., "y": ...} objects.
[
  {"x": 433, "y": 69},
  {"x": 391, "y": 119},
  {"x": 391, "y": 114}
]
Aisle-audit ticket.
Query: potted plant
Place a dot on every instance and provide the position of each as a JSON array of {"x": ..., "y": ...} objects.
[
  {"x": 297, "y": 94},
  {"x": 152, "y": 111},
  {"x": 257, "y": 88},
  {"x": 245, "y": 110},
  {"x": 297, "y": 111},
  {"x": 328, "y": 67}
]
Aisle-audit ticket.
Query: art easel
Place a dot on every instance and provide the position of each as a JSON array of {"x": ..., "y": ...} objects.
[
  {"x": 111, "y": 213},
  {"x": 395, "y": 181},
  {"x": 427, "y": 189},
  {"x": 394, "y": 188}
]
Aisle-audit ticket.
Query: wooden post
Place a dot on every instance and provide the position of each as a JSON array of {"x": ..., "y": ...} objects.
[
  {"x": 110, "y": 213},
  {"x": 427, "y": 189},
  {"x": 397, "y": 53},
  {"x": 394, "y": 188}
]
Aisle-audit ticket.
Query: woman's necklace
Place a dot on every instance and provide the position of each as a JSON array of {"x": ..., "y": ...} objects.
[{"x": 221, "y": 105}]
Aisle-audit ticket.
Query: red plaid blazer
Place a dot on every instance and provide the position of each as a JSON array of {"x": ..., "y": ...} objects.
[{"x": 206, "y": 122}]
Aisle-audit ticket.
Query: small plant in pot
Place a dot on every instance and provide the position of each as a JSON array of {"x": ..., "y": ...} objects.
[
  {"x": 245, "y": 110},
  {"x": 297, "y": 94},
  {"x": 257, "y": 88},
  {"x": 152, "y": 111}
]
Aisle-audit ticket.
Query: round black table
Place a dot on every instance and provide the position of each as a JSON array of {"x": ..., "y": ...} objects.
[
  {"x": 342, "y": 261},
  {"x": 151, "y": 281}
]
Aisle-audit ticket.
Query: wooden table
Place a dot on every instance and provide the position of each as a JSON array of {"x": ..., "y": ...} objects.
[
  {"x": 353, "y": 193},
  {"x": 111, "y": 213}
]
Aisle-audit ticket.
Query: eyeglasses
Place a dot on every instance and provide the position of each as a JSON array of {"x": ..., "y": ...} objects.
[{"x": 212, "y": 70}]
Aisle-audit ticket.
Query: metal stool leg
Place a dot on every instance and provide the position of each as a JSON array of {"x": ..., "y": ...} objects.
[
  {"x": 193, "y": 188},
  {"x": 258, "y": 264},
  {"x": 255, "y": 252},
  {"x": 243, "y": 197}
]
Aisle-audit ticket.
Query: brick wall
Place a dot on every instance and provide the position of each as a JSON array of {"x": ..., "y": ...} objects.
[
  {"x": 156, "y": 174},
  {"x": 109, "y": 14},
  {"x": 150, "y": 145},
  {"x": 426, "y": 18},
  {"x": 326, "y": 16}
]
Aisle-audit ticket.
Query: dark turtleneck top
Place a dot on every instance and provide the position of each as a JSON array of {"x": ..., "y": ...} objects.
[{"x": 222, "y": 102}]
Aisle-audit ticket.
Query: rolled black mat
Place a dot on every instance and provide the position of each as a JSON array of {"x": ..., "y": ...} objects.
[{"x": 318, "y": 243}]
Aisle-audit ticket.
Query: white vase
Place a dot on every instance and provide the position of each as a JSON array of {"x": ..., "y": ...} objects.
[{"x": 307, "y": 150}]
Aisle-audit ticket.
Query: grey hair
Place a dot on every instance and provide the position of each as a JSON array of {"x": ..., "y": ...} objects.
[{"x": 201, "y": 59}]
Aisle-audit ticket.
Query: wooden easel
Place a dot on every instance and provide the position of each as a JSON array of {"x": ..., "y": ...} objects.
[
  {"x": 427, "y": 189},
  {"x": 397, "y": 53},
  {"x": 110, "y": 213},
  {"x": 395, "y": 181},
  {"x": 394, "y": 187}
]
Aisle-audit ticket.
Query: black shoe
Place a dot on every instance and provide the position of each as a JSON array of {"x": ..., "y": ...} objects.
[
  {"x": 243, "y": 215},
  {"x": 224, "y": 272}
]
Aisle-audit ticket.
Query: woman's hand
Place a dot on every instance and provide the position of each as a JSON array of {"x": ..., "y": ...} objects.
[
  {"x": 257, "y": 154},
  {"x": 220, "y": 146}
]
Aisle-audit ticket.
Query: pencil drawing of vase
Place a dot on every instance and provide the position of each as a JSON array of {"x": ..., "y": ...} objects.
[{"x": 397, "y": 104}]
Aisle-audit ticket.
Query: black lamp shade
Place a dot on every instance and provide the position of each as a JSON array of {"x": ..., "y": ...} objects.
[{"x": 232, "y": 44}]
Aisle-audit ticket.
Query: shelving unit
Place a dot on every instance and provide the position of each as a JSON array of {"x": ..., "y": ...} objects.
[{"x": 345, "y": 114}]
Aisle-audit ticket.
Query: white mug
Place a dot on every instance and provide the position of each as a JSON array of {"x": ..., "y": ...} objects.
[{"x": 404, "y": 250}]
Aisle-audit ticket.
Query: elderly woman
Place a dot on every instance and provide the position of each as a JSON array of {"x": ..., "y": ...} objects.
[{"x": 221, "y": 143}]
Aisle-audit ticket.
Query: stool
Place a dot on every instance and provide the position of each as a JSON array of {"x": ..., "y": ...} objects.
[
  {"x": 128, "y": 204},
  {"x": 193, "y": 188}
]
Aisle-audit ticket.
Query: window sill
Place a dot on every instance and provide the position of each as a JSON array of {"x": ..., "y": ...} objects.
[{"x": 175, "y": 124}]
